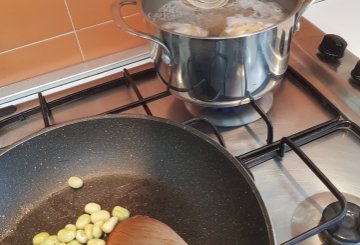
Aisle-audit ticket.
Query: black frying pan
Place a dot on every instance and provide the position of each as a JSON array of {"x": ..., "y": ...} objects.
[{"x": 151, "y": 166}]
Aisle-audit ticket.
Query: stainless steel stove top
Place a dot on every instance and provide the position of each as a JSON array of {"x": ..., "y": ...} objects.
[
  {"x": 293, "y": 195},
  {"x": 293, "y": 110}
]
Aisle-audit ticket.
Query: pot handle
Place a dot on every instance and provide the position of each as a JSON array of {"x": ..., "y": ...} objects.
[
  {"x": 305, "y": 6},
  {"x": 119, "y": 20}
]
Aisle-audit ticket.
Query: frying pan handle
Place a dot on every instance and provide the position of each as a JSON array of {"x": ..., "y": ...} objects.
[
  {"x": 305, "y": 6},
  {"x": 119, "y": 20}
]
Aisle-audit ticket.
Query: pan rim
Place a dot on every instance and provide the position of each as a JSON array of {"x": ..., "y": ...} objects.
[{"x": 189, "y": 129}]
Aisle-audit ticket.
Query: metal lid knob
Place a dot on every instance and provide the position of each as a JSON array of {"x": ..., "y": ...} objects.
[
  {"x": 355, "y": 73},
  {"x": 333, "y": 46}
]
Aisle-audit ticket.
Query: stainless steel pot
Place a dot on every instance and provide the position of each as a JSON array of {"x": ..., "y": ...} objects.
[{"x": 219, "y": 71}]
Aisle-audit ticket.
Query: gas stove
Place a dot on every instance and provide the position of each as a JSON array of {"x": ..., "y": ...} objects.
[{"x": 301, "y": 143}]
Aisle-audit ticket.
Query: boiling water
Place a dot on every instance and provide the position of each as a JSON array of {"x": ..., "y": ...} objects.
[{"x": 235, "y": 18}]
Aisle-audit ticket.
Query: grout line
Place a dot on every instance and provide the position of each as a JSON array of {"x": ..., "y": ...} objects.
[
  {"x": 37, "y": 42},
  {"x": 98, "y": 24},
  {"x": 76, "y": 35},
  {"x": 106, "y": 22}
]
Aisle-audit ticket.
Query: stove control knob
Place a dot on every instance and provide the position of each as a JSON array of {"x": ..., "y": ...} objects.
[
  {"x": 355, "y": 73},
  {"x": 333, "y": 46}
]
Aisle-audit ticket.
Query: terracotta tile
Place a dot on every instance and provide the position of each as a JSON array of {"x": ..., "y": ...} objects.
[
  {"x": 107, "y": 38},
  {"x": 86, "y": 13},
  {"x": 23, "y": 22},
  {"x": 37, "y": 59}
]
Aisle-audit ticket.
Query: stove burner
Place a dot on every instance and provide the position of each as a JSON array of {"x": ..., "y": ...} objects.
[
  {"x": 231, "y": 116},
  {"x": 348, "y": 231},
  {"x": 308, "y": 214}
]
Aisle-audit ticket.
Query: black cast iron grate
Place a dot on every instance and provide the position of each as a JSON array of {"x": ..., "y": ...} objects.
[
  {"x": 278, "y": 149},
  {"x": 129, "y": 80}
]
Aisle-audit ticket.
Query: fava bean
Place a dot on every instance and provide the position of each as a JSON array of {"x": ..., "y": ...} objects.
[
  {"x": 109, "y": 225},
  {"x": 96, "y": 241},
  {"x": 92, "y": 207},
  {"x": 120, "y": 213},
  {"x": 101, "y": 215},
  {"x": 74, "y": 242},
  {"x": 65, "y": 235},
  {"x": 81, "y": 236},
  {"x": 40, "y": 238},
  {"x": 88, "y": 228},
  {"x": 82, "y": 221},
  {"x": 51, "y": 240},
  {"x": 75, "y": 182},
  {"x": 70, "y": 227},
  {"x": 97, "y": 231},
  {"x": 88, "y": 231}
]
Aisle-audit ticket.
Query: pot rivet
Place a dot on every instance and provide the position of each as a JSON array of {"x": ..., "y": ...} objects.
[{"x": 166, "y": 59}]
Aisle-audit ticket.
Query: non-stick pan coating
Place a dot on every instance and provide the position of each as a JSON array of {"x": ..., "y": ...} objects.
[{"x": 148, "y": 165}]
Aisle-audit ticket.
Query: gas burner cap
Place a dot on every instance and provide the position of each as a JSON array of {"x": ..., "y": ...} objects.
[
  {"x": 231, "y": 116},
  {"x": 346, "y": 232},
  {"x": 308, "y": 214}
]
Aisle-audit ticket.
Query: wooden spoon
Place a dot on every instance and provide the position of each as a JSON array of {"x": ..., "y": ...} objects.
[{"x": 143, "y": 230}]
